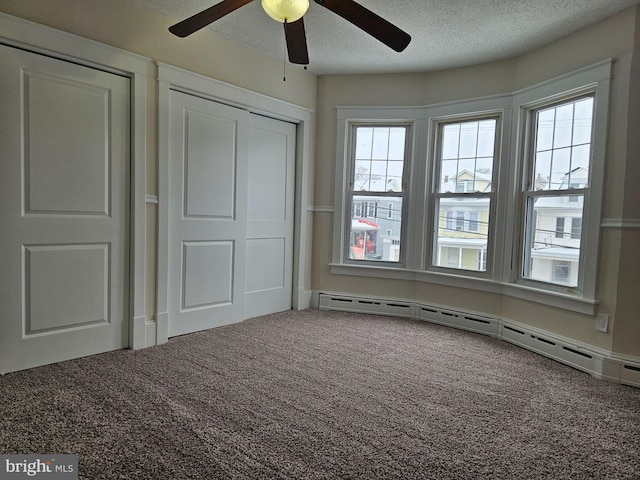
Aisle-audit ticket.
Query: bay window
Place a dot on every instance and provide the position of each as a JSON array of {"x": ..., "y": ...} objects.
[{"x": 500, "y": 194}]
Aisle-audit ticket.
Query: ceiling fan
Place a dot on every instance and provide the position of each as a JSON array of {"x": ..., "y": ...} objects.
[{"x": 290, "y": 13}]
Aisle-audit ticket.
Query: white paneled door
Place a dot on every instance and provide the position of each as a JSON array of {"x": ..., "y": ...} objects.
[
  {"x": 269, "y": 254},
  {"x": 64, "y": 203},
  {"x": 230, "y": 214}
]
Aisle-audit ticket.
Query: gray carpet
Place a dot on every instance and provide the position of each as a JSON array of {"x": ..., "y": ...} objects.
[{"x": 325, "y": 395}]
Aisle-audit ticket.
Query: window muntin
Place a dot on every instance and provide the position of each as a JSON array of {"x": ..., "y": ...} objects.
[
  {"x": 464, "y": 167},
  {"x": 555, "y": 198},
  {"x": 377, "y": 193}
]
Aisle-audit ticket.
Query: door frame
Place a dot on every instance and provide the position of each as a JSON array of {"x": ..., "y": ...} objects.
[
  {"x": 174, "y": 78},
  {"x": 37, "y": 38}
]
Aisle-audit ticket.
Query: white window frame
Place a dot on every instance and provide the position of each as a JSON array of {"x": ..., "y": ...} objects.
[
  {"x": 503, "y": 256},
  {"x": 348, "y": 118},
  {"x": 370, "y": 205},
  {"x": 436, "y": 126},
  {"x": 595, "y": 79}
]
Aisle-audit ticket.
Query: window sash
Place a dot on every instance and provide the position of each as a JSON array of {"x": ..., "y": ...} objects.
[
  {"x": 376, "y": 204},
  {"x": 538, "y": 188},
  {"x": 482, "y": 186}
]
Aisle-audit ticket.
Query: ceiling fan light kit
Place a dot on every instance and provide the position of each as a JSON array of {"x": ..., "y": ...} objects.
[
  {"x": 285, "y": 10},
  {"x": 291, "y": 12}
]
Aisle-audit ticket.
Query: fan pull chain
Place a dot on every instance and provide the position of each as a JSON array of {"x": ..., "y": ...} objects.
[{"x": 284, "y": 56}]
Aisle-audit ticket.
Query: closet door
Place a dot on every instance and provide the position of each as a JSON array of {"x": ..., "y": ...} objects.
[
  {"x": 270, "y": 191},
  {"x": 64, "y": 210},
  {"x": 207, "y": 213},
  {"x": 231, "y": 189}
]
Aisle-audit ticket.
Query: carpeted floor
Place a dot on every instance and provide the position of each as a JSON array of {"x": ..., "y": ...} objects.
[{"x": 325, "y": 395}]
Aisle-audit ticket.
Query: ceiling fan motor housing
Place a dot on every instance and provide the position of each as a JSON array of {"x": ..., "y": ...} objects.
[{"x": 285, "y": 10}]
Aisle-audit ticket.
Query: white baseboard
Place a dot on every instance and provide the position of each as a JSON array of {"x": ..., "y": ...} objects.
[{"x": 597, "y": 362}]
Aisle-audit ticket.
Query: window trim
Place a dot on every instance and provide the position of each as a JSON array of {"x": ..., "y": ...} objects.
[
  {"x": 369, "y": 204},
  {"x": 594, "y": 80},
  {"x": 508, "y": 200},
  {"x": 436, "y": 127},
  {"x": 347, "y": 118}
]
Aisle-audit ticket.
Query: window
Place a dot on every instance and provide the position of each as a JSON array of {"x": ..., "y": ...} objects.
[
  {"x": 576, "y": 228},
  {"x": 450, "y": 225},
  {"x": 560, "y": 271},
  {"x": 482, "y": 259},
  {"x": 464, "y": 166},
  {"x": 559, "y": 166},
  {"x": 560, "y": 227},
  {"x": 511, "y": 189},
  {"x": 377, "y": 179},
  {"x": 473, "y": 222}
]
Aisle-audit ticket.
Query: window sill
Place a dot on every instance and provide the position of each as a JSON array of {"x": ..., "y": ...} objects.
[{"x": 554, "y": 299}]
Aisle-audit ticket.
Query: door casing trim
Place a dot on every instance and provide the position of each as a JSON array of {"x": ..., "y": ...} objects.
[{"x": 36, "y": 38}]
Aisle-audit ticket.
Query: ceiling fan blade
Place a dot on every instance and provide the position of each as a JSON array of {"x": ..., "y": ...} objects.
[
  {"x": 205, "y": 17},
  {"x": 368, "y": 21},
  {"x": 296, "y": 42}
]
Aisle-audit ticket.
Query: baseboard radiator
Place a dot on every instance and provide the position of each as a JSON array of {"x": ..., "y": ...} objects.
[{"x": 580, "y": 356}]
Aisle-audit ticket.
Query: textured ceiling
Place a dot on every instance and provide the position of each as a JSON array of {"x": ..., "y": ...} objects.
[{"x": 445, "y": 33}]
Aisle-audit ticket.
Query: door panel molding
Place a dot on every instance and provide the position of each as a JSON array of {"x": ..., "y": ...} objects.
[
  {"x": 171, "y": 78},
  {"x": 57, "y": 44}
]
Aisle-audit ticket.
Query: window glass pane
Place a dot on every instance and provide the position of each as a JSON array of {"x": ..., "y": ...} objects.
[
  {"x": 564, "y": 126},
  {"x": 465, "y": 150},
  {"x": 583, "y": 121},
  {"x": 382, "y": 170},
  {"x": 563, "y": 145},
  {"x": 580, "y": 156},
  {"x": 576, "y": 228},
  {"x": 550, "y": 237},
  {"x": 375, "y": 234},
  {"x": 546, "y": 121},
  {"x": 560, "y": 168},
  {"x": 468, "y": 139},
  {"x": 378, "y": 170},
  {"x": 543, "y": 171},
  {"x": 561, "y": 271},
  {"x": 380, "y": 143},
  {"x": 364, "y": 141},
  {"x": 362, "y": 175},
  {"x": 484, "y": 171},
  {"x": 463, "y": 227},
  {"x": 396, "y": 143},
  {"x": 450, "y": 139},
  {"x": 486, "y": 138},
  {"x": 394, "y": 176},
  {"x": 448, "y": 171},
  {"x": 466, "y": 169}
]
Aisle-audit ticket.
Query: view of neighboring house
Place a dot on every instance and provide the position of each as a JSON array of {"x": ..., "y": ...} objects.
[
  {"x": 463, "y": 227},
  {"x": 376, "y": 222},
  {"x": 555, "y": 244},
  {"x": 463, "y": 223}
]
